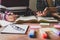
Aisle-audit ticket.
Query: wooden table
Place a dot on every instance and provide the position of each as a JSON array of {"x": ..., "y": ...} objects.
[{"x": 26, "y": 37}]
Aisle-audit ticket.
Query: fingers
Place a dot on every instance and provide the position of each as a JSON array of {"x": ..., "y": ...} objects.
[
  {"x": 46, "y": 9},
  {"x": 42, "y": 13}
]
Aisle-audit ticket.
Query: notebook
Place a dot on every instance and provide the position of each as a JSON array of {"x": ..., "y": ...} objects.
[{"x": 15, "y": 29}]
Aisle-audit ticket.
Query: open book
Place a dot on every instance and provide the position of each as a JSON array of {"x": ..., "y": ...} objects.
[
  {"x": 33, "y": 19},
  {"x": 15, "y": 29},
  {"x": 26, "y": 19}
]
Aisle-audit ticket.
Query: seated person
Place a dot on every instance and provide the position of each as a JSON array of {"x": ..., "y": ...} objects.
[
  {"x": 44, "y": 10},
  {"x": 49, "y": 13},
  {"x": 42, "y": 7},
  {"x": 42, "y": 13},
  {"x": 57, "y": 14}
]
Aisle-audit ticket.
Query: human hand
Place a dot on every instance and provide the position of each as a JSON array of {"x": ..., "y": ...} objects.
[
  {"x": 39, "y": 13},
  {"x": 45, "y": 11},
  {"x": 42, "y": 13}
]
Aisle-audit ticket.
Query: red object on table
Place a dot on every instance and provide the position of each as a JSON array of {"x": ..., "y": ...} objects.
[{"x": 44, "y": 36}]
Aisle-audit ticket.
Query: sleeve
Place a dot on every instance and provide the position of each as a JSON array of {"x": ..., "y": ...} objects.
[
  {"x": 41, "y": 4},
  {"x": 58, "y": 9},
  {"x": 57, "y": 2}
]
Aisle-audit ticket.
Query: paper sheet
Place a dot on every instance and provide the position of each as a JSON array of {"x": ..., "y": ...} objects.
[
  {"x": 4, "y": 23},
  {"x": 44, "y": 23}
]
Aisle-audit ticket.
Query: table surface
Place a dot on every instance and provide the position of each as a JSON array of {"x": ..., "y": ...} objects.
[{"x": 25, "y": 36}]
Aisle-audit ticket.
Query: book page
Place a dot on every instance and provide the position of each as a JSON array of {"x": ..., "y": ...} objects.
[
  {"x": 45, "y": 18},
  {"x": 49, "y": 19},
  {"x": 40, "y": 18},
  {"x": 26, "y": 18}
]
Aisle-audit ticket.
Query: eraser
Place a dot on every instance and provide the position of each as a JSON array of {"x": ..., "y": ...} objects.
[
  {"x": 35, "y": 27},
  {"x": 43, "y": 34},
  {"x": 57, "y": 26},
  {"x": 32, "y": 34},
  {"x": 44, "y": 23}
]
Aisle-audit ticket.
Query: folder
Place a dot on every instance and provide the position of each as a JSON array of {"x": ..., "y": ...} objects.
[{"x": 15, "y": 29}]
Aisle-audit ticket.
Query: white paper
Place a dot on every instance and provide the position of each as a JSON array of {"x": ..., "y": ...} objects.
[
  {"x": 44, "y": 23},
  {"x": 52, "y": 20},
  {"x": 10, "y": 29},
  {"x": 1, "y": 6},
  {"x": 4, "y": 23}
]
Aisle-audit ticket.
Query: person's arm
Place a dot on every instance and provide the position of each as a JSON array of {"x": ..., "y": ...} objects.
[
  {"x": 38, "y": 13},
  {"x": 56, "y": 15},
  {"x": 42, "y": 13},
  {"x": 45, "y": 11}
]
